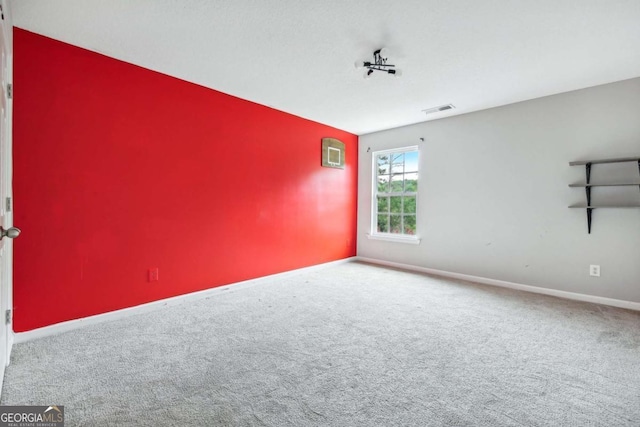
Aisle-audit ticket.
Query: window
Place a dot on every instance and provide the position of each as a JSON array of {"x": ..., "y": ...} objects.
[{"x": 395, "y": 190}]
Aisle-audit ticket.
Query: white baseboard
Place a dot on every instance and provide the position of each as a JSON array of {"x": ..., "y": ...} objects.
[
  {"x": 503, "y": 284},
  {"x": 58, "y": 328}
]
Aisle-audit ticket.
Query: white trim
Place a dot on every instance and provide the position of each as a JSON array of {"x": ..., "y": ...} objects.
[
  {"x": 630, "y": 305},
  {"x": 58, "y": 328},
  {"x": 12, "y": 341},
  {"x": 6, "y": 290},
  {"x": 397, "y": 238},
  {"x": 70, "y": 325},
  {"x": 374, "y": 196}
]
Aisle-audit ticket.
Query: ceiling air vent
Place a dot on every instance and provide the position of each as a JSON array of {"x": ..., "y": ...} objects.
[{"x": 439, "y": 109}]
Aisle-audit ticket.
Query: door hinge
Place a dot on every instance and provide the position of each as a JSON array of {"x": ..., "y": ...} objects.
[
  {"x": 7, "y": 317},
  {"x": 8, "y": 204},
  {"x": 9, "y": 90}
]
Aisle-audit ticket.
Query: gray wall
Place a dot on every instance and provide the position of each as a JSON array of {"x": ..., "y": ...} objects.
[{"x": 494, "y": 196}]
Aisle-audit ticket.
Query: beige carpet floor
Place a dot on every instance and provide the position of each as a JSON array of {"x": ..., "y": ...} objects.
[{"x": 348, "y": 345}]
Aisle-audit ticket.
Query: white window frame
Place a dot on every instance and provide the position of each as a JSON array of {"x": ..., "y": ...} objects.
[{"x": 374, "y": 233}]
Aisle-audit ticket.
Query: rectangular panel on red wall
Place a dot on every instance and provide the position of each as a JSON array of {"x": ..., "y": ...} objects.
[{"x": 119, "y": 169}]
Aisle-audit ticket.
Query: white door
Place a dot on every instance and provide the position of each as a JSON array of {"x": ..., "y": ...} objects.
[{"x": 6, "y": 216}]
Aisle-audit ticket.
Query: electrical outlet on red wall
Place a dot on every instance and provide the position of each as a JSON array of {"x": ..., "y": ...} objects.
[{"x": 154, "y": 274}]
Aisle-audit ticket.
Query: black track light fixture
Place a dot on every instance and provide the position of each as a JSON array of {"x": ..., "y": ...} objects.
[{"x": 379, "y": 64}]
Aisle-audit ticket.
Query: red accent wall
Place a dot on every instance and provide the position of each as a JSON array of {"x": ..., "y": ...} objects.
[{"x": 118, "y": 169}]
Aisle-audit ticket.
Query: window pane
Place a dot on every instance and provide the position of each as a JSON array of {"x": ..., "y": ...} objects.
[
  {"x": 396, "y": 183},
  {"x": 383, "y": 165},
  {"x": 409, "y": 205},
  {"x": 395, "y": 224},
  {"x": 411, "y": 182},
  {"x": 383, "y": 159},
  {"x": 383, "y": 204},
  {"x": 411, "y": 161},
  {"x": 383, "y": 223},
  {"x": 410, "y": 224},
  {"x": 397, "y": 158},
  {"x": 396, "y": 204},
  {"x": 383, "y": 184},
  {"x": 397, "y": 168},
  {"x": 396, "y": 186},
  {"x": 383, "y": 169}
]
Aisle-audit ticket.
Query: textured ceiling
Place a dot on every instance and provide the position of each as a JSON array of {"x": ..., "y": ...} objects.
[{"x": 298, "y": 55}]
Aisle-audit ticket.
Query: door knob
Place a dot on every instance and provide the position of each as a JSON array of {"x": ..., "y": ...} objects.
[{"x": 11, "y": 232}]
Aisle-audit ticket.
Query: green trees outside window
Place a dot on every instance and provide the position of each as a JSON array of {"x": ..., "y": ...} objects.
[{"x": 396, "y": 188}]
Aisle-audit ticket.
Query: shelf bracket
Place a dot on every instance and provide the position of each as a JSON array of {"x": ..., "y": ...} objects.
[{"x": 587, "y": 189}]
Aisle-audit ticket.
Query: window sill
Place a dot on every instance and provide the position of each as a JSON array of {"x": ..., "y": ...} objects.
[{"x": 412, "y": 240}]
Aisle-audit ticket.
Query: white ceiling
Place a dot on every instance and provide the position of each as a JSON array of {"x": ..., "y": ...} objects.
[{"x": 298, "y": 55}]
